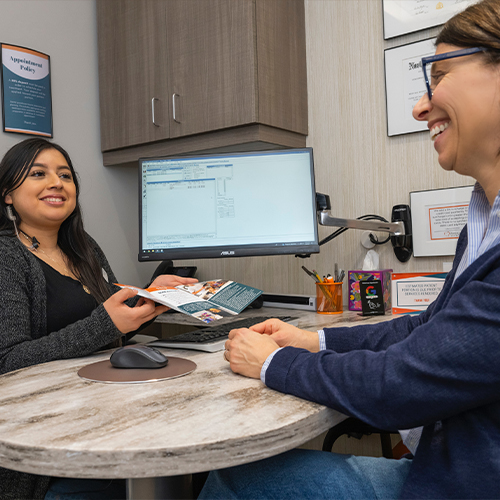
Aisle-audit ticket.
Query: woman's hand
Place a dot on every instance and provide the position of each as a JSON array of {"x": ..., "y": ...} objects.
[
  {"x": 172, "y": 280},
  {"x": 247, "y": 351},
  {"x": 127, "y": 319},
  {"x": 285, "y": 334}
]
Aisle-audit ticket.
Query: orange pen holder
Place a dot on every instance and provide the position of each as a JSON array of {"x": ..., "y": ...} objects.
[{"x": 329, "y": 298}]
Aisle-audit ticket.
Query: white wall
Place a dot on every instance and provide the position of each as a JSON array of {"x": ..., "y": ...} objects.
[
  {"x": 66, "y": 31},
  {"x": 362, "y": 169}
]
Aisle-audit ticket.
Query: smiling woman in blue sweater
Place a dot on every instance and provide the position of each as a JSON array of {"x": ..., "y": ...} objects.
[{"x": 439, "y": 370}]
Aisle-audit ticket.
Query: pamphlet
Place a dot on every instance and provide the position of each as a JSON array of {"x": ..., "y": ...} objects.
[{"x": 207, "y": 301}]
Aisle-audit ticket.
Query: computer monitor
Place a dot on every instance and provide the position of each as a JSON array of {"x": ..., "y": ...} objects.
[{"x": 227, "y": 205}]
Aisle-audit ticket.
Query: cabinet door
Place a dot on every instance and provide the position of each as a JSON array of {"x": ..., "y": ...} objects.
[
  {"x": 132, "y": 71},
  {"x": 212, "y": 70}
]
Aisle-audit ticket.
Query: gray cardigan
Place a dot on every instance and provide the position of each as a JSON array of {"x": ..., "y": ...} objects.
[{"x": 23, "y": 338}]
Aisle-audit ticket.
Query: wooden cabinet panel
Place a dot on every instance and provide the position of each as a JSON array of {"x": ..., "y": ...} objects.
[
  {"x": 212, "y": 64},
  {"x": 214, "y": 67},
  {"x": 281, "y": 64},
  {"x": 132, "y": 70}
]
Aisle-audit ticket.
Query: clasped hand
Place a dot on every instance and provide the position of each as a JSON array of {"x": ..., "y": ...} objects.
[
  {"x": 127, "y": 319},
  {"x": 248, "y": 348}
]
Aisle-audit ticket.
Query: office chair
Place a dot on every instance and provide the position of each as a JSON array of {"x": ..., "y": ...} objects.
[{"x": 357, "y": 429}]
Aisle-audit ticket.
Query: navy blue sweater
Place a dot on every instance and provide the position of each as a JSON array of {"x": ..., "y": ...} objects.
[{"x": 440, "y": 369}]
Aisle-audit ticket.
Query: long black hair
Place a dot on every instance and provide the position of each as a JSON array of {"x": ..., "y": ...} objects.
[{"x": 72, "y": 239}]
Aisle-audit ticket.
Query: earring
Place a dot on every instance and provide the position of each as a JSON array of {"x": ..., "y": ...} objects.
[
  {"x": 10, "y": 213},
  {"x": 11, "y": 216}
]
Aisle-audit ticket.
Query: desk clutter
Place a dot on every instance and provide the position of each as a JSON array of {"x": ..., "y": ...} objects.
[{"x": 403, "y": 293}]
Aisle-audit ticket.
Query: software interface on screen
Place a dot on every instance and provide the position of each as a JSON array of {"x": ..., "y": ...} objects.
[{"x": 227, "y": 205}]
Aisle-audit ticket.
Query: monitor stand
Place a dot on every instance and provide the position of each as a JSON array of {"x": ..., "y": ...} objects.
[{"x": 167, "y": 267}]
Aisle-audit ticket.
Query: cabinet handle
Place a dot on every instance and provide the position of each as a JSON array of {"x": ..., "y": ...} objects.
[
  {"x": 153, "y": 110},
  {"x": 174, "y": 95}
]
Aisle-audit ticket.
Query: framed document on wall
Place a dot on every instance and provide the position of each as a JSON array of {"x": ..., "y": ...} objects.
[
  {"x": 406, "y": 16},
  {"x": 405, "y": 85},
  {"x": 26, "y": 91},
  {"x": 438, "y": 216}
]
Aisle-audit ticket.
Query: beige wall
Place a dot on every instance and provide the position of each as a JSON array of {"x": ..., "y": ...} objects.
[
  {"x": 66, "y": 31},
  {"x": 362, "y": 169}
]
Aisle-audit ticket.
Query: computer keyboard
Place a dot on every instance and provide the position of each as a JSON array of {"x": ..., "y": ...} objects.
[{"x": 212, "y": 338}]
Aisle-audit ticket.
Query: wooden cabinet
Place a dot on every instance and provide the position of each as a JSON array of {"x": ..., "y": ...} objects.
[
  {"x": 130, "y": 75},
  {"x": 189, "y": 75}
]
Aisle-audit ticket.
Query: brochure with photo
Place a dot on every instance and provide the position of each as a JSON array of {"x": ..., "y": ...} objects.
[{"x": 207, "y": 301}]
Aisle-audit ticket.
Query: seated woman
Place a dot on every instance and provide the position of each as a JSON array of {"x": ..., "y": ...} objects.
[
  {"x": 56, "y": 286},
  {"x": 438, "y": 370}
]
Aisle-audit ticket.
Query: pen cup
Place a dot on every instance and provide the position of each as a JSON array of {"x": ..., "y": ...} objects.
[{"x": 329, "y": 298}]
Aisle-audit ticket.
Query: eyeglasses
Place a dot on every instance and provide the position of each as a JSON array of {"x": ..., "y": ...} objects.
[{"x": 441, "y": 57}]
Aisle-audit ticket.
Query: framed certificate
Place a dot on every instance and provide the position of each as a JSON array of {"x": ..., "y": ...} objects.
[
  {"x": 26, "y": 91},
  {"x": 406, "y": 16},
  {"x": 405, "y": 85},
  {"x": 438, "y": 216}
]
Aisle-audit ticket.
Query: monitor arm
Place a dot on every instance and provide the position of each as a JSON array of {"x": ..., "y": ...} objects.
[
  {"x": 399, "y": 228},
  {"x": 395, "y": 228}
]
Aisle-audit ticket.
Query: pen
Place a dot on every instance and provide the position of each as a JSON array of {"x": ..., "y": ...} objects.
[
  {"x": 313, "y": 275},
  {"x": 318, "y": 279}
]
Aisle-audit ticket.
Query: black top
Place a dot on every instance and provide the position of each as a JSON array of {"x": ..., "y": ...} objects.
[{"x": 67, "y": 301}]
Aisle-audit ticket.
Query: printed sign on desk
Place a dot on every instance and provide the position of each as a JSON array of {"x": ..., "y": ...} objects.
[
  {"x": 372, "y": 298},
  {"x": 26, "y": 91},
  {"x": 414, "y": 292}
]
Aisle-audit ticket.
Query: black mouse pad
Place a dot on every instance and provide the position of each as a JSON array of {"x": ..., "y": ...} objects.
[{"x": 103, "y": 371}]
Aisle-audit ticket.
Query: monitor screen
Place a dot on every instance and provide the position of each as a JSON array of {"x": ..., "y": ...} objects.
[{"x": 227, "y": 205}]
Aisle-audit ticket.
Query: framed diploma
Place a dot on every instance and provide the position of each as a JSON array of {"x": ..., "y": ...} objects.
[
  {"x": 26, "y": 91},
  {"x": 438, "y": 216},
  {"x": 406, "y": 16},
  {"x": 405, "y": 85}
]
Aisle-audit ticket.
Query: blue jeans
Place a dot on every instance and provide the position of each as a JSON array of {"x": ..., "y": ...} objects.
[
  {"x": 86, "y": 489},
  {"x": 307, "y": 474}
]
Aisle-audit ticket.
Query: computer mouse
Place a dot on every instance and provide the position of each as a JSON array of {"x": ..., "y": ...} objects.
[{"x": 138, "y": 356}]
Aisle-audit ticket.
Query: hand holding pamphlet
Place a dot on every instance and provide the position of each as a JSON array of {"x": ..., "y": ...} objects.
[{"x": 207, "y": 301}]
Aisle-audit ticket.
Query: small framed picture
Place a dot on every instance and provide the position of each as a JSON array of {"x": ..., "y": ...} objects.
[
  {"x": 407, "y": 16},
  {"x": 438, "y": 216},
  {"x": 26, "y": 91},
  {"x": 405, "y": 85}
]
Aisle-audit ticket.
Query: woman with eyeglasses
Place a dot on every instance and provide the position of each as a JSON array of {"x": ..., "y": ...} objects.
[
  {"x": 439, "y": 370},
  {"x": 58, "y": 298}
]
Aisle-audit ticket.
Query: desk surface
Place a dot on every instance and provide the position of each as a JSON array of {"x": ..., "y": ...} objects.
[{"x": 52, "y": 422}]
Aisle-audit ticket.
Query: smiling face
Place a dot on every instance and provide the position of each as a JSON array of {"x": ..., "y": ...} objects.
[
  {"x": 464, "y": 114},
  {"x": 47, "y": 196}
]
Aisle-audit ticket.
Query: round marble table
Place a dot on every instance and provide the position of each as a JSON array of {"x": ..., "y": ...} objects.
[{"x": 52, "y": 422}]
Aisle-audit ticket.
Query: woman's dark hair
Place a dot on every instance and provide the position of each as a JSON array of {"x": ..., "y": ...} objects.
[
  {"x": 477, "y": 26},
  {"x": 72, "y": 239}
]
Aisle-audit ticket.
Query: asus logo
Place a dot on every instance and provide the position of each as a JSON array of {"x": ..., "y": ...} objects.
[{"x": 227, "y": 252}]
